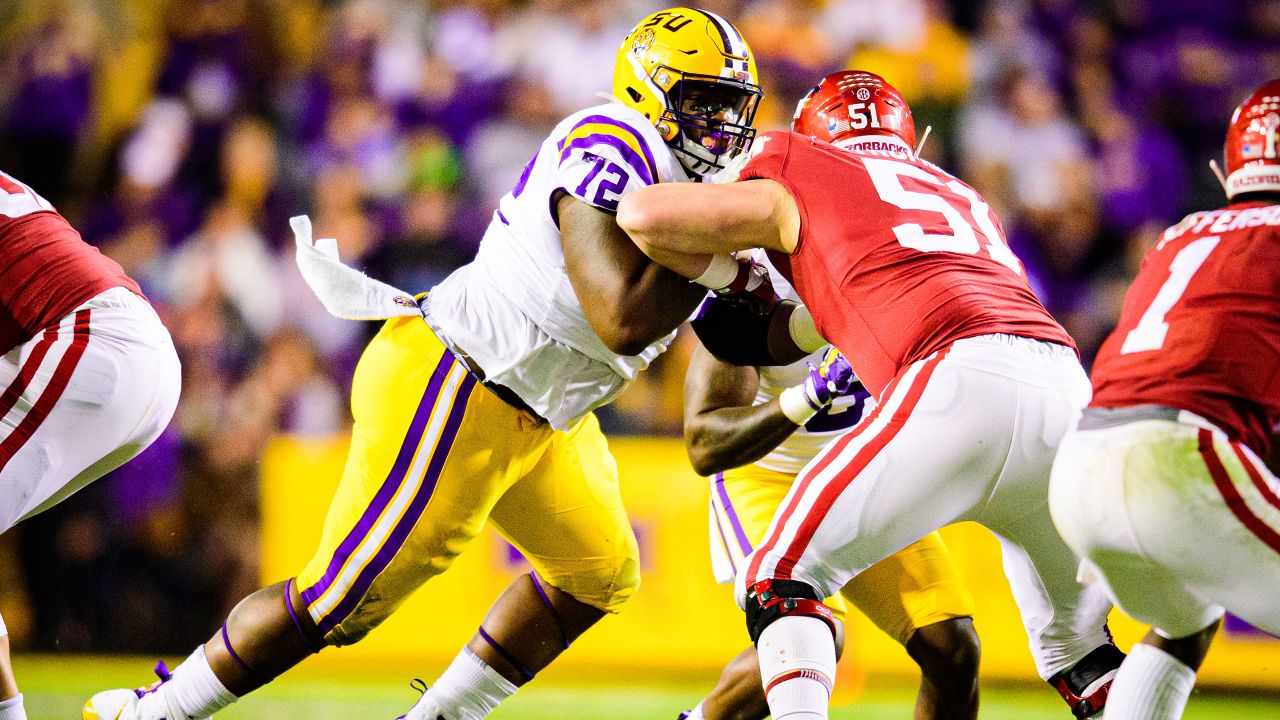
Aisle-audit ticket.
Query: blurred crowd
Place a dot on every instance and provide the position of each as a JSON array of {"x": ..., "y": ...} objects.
[{"x": 180, "y": 136}]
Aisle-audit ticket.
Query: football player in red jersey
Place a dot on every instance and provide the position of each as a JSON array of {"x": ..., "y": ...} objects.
[
  {"x": 905, "y": 270},
  {"x": 89, "y": 373},
  {"x": 1161, "y": 489}
]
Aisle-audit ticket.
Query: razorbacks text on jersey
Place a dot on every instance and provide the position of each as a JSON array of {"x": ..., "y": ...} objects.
[
  {"x": 513, "y": 309},
  {"x": 1200, "y": 328},
  {"x": 904, "y": 258},
  {"x": 46, "y": 270}
]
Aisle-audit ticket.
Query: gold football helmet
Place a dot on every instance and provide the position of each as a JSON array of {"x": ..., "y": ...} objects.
[{"x": 692, "y": 75}]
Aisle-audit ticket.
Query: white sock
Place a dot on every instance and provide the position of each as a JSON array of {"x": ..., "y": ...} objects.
[
  {"x": 470, "y": 687},
  {"x": 12, "y": 709},
  {"x": 1151, "y": 685},
  {"x": 798, "y": 667},
  {"x": 194, "y": 690}
]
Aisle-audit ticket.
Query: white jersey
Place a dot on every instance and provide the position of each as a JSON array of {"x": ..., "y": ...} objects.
[
  {"x": 513, "y": 309},
  {"x": 802, "y": 445}
]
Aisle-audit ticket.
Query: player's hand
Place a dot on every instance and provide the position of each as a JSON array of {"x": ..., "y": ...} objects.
[
  {"x": 828, "y": 380},
  {"x": 751, "y": 285}
]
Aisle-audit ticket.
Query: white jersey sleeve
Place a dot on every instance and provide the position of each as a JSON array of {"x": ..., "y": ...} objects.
[
  {"x": 513, "y": 309},
  {"x": 602, "y": 157}
]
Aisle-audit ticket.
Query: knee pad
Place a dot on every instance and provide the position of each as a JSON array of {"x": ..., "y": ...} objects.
[{"x": 769, "y": 600}]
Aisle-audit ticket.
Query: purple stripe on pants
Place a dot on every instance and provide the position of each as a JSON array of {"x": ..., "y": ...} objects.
[
  {"x": 411, "y": 515},
  {"x": 724, "y": 541},
  {"x": 729, "y": 512},
  {"x": 388, "y": 490}
]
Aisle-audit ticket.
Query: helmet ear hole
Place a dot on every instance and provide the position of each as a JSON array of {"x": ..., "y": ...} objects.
[{"x": 636, "y": 97}]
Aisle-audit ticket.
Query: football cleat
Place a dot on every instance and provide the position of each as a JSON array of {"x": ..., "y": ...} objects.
[
  {"x": 1086, "y": 685},
  {"x": 424, "y": 709},
  {"x": 123, "y": 704}
]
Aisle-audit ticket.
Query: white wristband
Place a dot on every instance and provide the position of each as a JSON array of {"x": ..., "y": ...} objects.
[
  {"x": 720, "y": 273},
  {"x": 795, "y": 405},
  {"x": 804, "y": 333}
]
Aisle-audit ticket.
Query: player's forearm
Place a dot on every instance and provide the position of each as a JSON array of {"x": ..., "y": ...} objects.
[
  {"x": 731, "y": 437},
  {"x": 679, "y": 224},
  {"x": 689, "y": 266}
]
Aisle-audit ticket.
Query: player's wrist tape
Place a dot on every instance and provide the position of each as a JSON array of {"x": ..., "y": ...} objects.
[
  {"x": 798, "y": 405},
  {"x": 720, "y": 274},
  {"x": 804, "y": 333}
]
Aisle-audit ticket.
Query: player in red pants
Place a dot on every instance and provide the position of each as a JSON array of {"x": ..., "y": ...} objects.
[
  {"x": 1161, "y": 488},
  {"x": 89, "y": 373},
  {"x": 906, "y": 271}
]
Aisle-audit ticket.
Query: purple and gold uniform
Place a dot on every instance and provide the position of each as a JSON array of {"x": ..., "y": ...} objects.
[{"x": 435, "y": 453}]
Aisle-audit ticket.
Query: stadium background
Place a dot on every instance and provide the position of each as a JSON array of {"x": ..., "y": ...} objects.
[{"x": 178, "y": 136}]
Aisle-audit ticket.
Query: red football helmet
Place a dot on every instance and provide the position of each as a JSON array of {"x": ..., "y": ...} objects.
[
  {"x": 1252, "y": 149},
  {"x": 853, "y": 103}
]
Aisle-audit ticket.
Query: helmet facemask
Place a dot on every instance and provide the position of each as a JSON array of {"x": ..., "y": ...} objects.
[{"x": 713, "y": 117}]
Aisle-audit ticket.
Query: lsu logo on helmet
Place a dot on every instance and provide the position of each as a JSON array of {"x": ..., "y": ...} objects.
[{"x": 694, "y": 77}]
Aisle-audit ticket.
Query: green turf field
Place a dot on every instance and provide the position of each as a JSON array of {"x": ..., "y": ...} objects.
[{"x": 55, "y": 688}]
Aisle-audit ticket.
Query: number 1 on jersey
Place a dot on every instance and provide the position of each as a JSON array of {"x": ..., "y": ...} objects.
[{"x": 1151, "y": 330}]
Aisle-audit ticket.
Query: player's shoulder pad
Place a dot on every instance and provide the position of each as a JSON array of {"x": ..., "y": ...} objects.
[
  {"x": 616, "y": 131},
  {"x": 766, "y": 156}
]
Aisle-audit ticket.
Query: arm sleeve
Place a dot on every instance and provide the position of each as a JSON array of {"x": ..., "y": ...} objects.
[
  {"x": 602, "y": 160},
  {"x": 735, "y": 330}
]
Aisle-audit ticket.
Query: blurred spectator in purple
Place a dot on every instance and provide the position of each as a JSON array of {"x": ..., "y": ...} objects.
[
  {"x": 503, "y": 145},
  {"x": 1031, "y": 162},
  {"x": 1141, "y": 174},
  {"x": 569, "y": 47},
  {"x": 149, "y": 209},
  {"x": 426, "y": 246},
  {"x": 1007, "y": 39},
  {"x": 216, "y": 64},
  {"x": 50, "y": 92}
]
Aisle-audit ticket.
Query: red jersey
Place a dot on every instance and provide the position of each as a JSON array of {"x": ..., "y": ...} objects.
[
  {"x": 46, "y": 269},
  {"x": 1200, "y": 328},
  {"x": 897, "y": 259}
]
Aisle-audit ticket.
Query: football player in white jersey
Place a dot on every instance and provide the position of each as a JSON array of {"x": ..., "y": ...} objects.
[
  {"x": 751, "y": 430},
  {"x": 479, "y": 408}
]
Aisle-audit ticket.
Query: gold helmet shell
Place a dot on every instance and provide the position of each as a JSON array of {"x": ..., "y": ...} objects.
[{"x": 676, "y": 53}]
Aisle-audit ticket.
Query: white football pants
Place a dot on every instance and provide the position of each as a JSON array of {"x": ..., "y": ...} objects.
[
  {"x": 1176, "y": 520},
  {"x": 80, "y": 399},
  {"x": 968, "y": 433}
]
